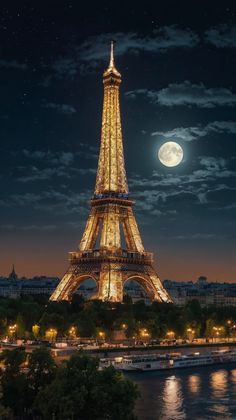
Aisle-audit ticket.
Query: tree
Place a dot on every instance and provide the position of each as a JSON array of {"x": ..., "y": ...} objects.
[
  {"x": 209, "y": 327},
  {"x": 86, "y": 326},
  {"x": 41, "y": 369},
  {"x": 13, "y": 360},
  {"x": 5, "y": 413},
  {"x": 20, "y": 329},
  {"x": 16, "y": 393},
  {"x": 81, "y": 391}
]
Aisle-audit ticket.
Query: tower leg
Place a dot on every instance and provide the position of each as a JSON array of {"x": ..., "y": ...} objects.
[
  {"x": 110, "y": 283},
  {"x": 160, "y": 293},
  {"x": 62, "y": 290}
]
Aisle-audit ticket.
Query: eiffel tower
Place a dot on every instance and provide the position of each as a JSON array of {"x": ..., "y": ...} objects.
[{"x": 100, "y": 255}]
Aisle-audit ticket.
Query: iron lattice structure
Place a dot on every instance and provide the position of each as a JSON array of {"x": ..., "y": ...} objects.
[{"x": 100, "y": 255}]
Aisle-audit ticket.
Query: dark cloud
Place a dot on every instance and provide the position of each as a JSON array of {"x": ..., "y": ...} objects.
[
  {"x": 64, "y": 67},
  {"x": 50, "y": 164},
  {"x": 43, "y": 174},
  {"x": 38, "y": 174},
  {"x": 87, "y": 151},
  {"x": 63, "y": 158},
  {"x": 46, "y": 228},
  {"x": 222, "y": 36},
  {"x": 197, "y": 236},
  {"x": 61, "y": 108},
  {"x": 51, "y": 201},
  {"x": 96, "y": 49},
  {"x": 13, "y": 64},
  {"x": 189, "y": 94}
]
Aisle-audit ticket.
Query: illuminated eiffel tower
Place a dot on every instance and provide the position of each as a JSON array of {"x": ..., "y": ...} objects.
[{"x": 100, "y": 255}]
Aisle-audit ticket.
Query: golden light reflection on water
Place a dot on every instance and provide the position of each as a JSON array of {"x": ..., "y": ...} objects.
[
  {"x": 194, "y": 384},
  {"x": 172, "y": 400},
  {"x": 218, "y": 382},
  {"x": 219, "y": 388},
  {"x": 233, "y": 375},
  {"x": 207, "y": 393}
]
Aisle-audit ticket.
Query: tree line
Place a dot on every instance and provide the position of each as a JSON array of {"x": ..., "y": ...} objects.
[{"x": 91, "y": 318}]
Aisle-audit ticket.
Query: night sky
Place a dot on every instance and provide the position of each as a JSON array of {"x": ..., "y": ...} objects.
[{"x": 178, "y": 66}]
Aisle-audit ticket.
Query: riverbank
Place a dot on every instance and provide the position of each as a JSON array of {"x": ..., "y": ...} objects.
[{"x": 149, "y": 349}]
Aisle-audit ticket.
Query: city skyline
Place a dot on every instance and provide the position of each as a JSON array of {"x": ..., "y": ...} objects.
[{"x": 51, "y": 120}]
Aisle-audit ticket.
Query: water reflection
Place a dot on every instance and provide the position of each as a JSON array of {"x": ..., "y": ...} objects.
[
  {"x": 219, "y": 388},
  {"x": 233, "y": 375},
  {"x": 218, "y": 383},
  {"x": 173, "y": 399},
  {"x": 202, "y": 394},
  {"x": 194, "y": 384}
]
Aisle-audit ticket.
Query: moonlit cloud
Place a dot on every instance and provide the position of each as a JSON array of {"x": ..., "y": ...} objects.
[
  {"x": 164, "y": 193},
  {"x": 222, "y": 36},
  {"x": 194, "y": 133},
  {"x": 183, "y": 133},
  {"x": 187, "y": 94}
]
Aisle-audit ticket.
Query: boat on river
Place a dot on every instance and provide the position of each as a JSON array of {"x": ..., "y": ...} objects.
[{"x": 168, "y": 361}]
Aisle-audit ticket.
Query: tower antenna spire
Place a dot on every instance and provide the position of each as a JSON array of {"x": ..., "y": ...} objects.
[{"x": 112, "y": 62}]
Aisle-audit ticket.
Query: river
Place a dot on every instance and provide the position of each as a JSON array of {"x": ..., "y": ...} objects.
[{"x": 199, "y": 393}]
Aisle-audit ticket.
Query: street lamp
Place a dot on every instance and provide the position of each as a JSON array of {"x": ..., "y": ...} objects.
[
  {"x": 190, "y": 334},
  {"x": 144, "y": 333},
  {"x": 51, "y": 334},
  {"x": 35, "y": 330},
  {"x": 12, "y": 330},
  {"x": 217, "y": 331},
  {"x": 72, "y": 332},
  {"x": 170, "y": 335}
]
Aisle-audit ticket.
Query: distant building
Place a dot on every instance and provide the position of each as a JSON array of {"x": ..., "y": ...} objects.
[
  {"x": 14, "y": 286},
  {"x": 207, "y": 293},
  {"x": 13, "y": 275}
]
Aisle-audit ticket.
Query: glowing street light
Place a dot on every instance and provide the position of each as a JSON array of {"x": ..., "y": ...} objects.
[
  {"x": 35, "y": 330},
  {"x": 101, "y": 335},
  {"x": 72, "y": 332},
  {"x": 144, "y": 333},
  {"x": 217, "y": 331},
  {"x": 51, "y": 334},
  {"x": 190, "y": 334},
  {"x": 12, "y": 329},
  {"x": 170, "y": 335}
]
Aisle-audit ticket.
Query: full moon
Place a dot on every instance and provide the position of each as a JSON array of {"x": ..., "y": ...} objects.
[{"x": 170, "y": 154}]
